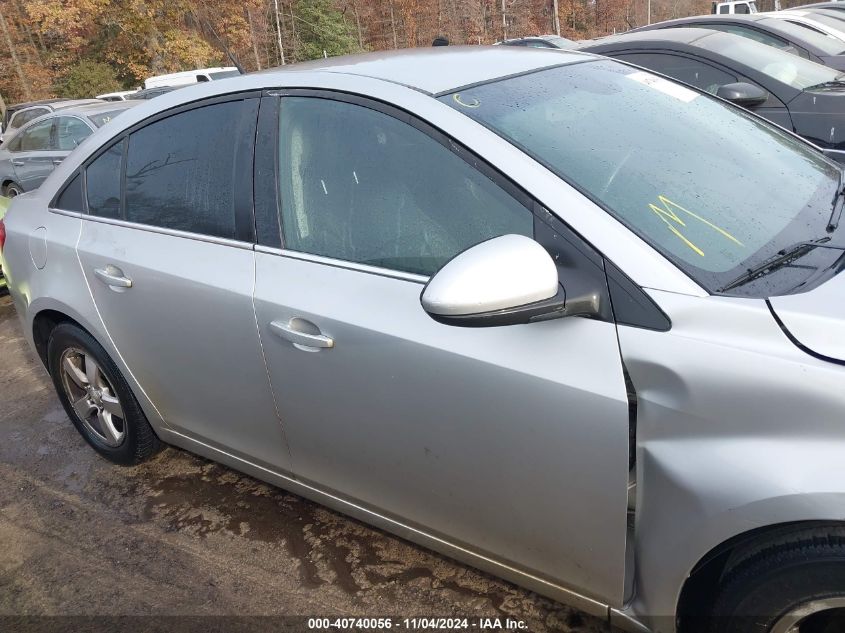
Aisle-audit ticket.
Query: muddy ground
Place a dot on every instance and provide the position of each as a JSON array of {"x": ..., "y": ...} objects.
[{"x": 182, "y": 536}]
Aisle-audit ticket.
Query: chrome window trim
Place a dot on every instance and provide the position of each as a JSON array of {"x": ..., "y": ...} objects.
[
  {"x": 197, "y": 237},
  {"x": 340, "y": 263}
]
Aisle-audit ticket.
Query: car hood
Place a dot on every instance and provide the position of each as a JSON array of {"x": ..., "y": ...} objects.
[{"x": 815, "y": 320}]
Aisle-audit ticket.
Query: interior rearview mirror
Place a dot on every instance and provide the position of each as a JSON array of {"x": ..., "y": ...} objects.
[
  {"x": 504, "y": 281},
  {"x": 743, "y": 94}
]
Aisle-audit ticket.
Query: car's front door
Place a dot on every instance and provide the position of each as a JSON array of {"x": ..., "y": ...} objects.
[
  {"x": 168, "y": 256},
  {"x": 508, "y": 441}
]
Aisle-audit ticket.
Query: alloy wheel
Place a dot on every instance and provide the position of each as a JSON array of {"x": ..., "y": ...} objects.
[
  {"x": 92, "y": 397},
  {"x": 817, "y": 616}
]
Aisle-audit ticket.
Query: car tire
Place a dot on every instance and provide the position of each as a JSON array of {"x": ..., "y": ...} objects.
[
  {"x": 794, "y": 584},
  {"x": 97, "y": 398},
  {"x": 12, "y": 190}
]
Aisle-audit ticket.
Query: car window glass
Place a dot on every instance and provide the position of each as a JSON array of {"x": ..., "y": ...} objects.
[
  {"x": 807, "y": 35},
  {"x": 691, "y": 71},
  {"x": 101, "y": 118},
  {"x": 25, "y": 116},
  {"x": 784, "y": 67},
  {"x": 752, "y": 34},
  {"x": 70, "y": 132},
  {"x": 741, "y": 8},
  {"x": 385, "y": 193},
  {"x": 180, "y": 171},
  {"x": 724, "y": 9},
  {"x": 71, "y": 196},
  {"x": 678, "y": 167},
  {"x": 38, "y": 137},
  {"x": 103, "y": 183}
]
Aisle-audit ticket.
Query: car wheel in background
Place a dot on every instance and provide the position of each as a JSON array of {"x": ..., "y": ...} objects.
[
  {"x": 97, "y": 398},
  {"x": 795, "y": 584},
  {"x": 12, "y": 190}
]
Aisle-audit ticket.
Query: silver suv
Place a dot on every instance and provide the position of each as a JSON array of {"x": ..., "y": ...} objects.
[{"x": 548, "y": 313}]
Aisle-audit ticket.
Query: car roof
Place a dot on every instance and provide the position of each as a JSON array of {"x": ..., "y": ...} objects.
[
  {"x": 438, "y": 69},
  {"x": 676, "y": 35},
  {"x": 92, "y": 109},
  {"x": 27, "y": 104},
  {"x": 724, "y": 17}
]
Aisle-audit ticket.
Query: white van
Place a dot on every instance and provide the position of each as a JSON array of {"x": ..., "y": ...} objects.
[{"x": 191, "y": 76}]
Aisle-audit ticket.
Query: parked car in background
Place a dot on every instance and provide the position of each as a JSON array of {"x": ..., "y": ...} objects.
[
  {"x": 22, "y": 114},
  {"x": 29, "y": 154},
  {"x": 191, "y": 77},
  {"x": 836, "y": 6},
  {"x": 564, "y": 319},
  {"x": 822, "y": 21},
  {"x": 152, "y": 93},
  {"x": 797, "y": 94},
  {"x": 539, "y": 41},
  {"x": 4, "y": 206},
  {"x": 122, "y": 95},
  {"x": 781, "y": 34}
]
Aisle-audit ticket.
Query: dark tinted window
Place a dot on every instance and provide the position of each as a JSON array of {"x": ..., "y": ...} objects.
[
  {"x": 362, "y": 186},
  {"x": 38, "y": 137},
  {"x": 741, "y": 8},
  {"x": 180, "y": 171},
  {"x": 71, "y": 197},
  {"x": 103, "y": 183},
  {"x": 691, "y": 71}
]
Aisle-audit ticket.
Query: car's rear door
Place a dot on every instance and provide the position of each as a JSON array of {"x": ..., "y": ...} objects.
[
  {"x": 511, "y": 442},
  {"x": 167, "y": 250}
]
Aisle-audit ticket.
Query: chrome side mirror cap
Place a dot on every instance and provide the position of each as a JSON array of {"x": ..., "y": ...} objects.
[{"x": 504, "y": 281}]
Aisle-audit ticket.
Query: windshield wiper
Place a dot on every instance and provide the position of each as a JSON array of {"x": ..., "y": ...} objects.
[
  {"x": 838, "y": 202},
  {"x": 783, "y": 258},
  {"x": 834, "y": 83}
]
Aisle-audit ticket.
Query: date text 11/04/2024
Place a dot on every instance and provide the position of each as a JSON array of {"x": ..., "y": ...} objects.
[{"x": 417, "y": 624}]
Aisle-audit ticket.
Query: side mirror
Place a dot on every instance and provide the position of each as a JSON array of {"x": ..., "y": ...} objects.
[
  {"x": 743, "y": 94},
  {"x": 504, "y": 281}
]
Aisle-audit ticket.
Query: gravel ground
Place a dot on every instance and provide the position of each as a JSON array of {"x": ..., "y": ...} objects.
[{"x": 178, "y": 539}]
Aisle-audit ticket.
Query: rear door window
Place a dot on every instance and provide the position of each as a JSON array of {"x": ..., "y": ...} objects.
[
  {"x": 103, "y": 183},
  {"x": 180, "y": 171}
]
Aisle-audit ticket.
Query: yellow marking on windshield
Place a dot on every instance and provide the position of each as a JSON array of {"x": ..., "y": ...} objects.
[{"x": 668, "y": 216}]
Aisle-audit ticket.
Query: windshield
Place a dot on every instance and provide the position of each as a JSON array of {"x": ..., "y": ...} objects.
[
  {"x": 715, "y": 189},
  {"x": 789, "y": 69},
  {"x": 827, "y": 44},
  {"x": 222, "y": 74}
]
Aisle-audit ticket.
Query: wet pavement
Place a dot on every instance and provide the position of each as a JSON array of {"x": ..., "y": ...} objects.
[{"x": 182, "y": 536}]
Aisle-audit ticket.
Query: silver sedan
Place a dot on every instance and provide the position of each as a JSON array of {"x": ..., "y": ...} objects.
[
  {"x": 29, "y": 154},
  {"x": 548, "y": 313}
]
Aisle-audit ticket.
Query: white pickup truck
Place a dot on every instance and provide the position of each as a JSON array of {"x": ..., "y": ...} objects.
[{"x": 735, "y": 6}]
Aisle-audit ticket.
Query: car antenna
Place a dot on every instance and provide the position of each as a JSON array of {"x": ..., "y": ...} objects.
[{"x": 232, "y": 57}]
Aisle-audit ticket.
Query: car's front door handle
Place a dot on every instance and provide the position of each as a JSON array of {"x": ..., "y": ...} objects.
[
  {"x": 113, "y": 277},
  {"x": 306, "y": 341},
  {"x": 57, "y": 161},
  {"x": 17, "y": 163}
]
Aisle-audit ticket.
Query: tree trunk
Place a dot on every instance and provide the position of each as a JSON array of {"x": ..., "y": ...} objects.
[
  {"x": 15, "y": 61},
  {"x": 393, "y": 25},
  {"x": 248, "y": 12},
  {"x": 279, "y": 31}
]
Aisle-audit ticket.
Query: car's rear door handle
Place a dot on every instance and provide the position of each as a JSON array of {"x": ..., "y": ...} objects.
[
  {"x": 17, "y": 163},
  {"x": 306, "y": 341},
  {"x": 112, "y": 276}
]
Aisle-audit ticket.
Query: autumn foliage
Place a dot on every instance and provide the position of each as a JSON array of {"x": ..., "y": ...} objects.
[{"x": 47, "y": 45}]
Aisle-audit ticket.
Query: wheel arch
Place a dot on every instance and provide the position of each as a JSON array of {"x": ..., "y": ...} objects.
[{"x": 699, "y": 590}]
